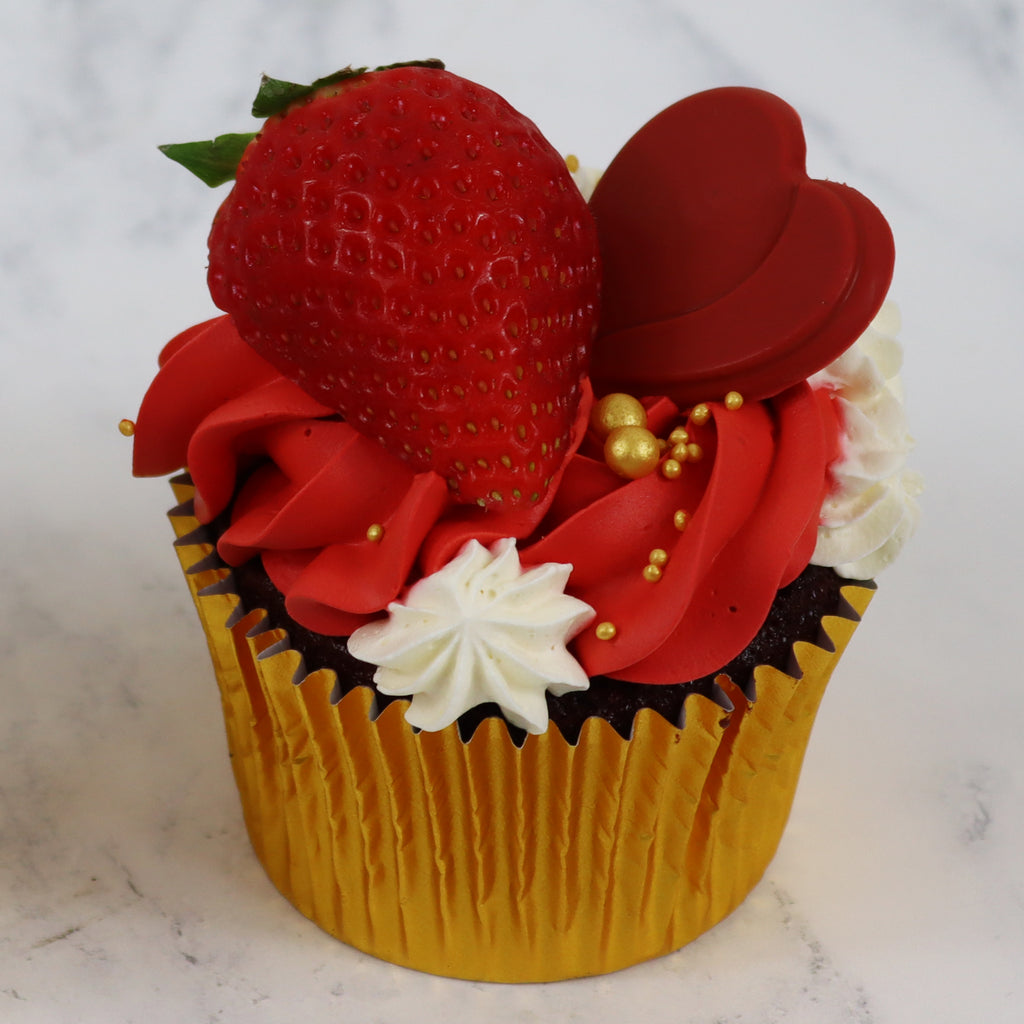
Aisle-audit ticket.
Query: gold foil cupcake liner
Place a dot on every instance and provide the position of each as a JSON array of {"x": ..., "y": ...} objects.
[{"x": 484, "y": 860}]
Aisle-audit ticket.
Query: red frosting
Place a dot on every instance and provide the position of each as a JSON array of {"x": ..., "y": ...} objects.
[
  {"x": 314, "y": 485},
  {"x": 725, "y": 268}
]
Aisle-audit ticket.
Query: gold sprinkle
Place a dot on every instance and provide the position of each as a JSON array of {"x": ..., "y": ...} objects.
[
  {"x": 572, "y": 162},
  {"x": 659, "y": 557},
  {"x": 616, "y": 410},
  {"x": 678, "y": 436},
  {"x": 652, "y": 573},
  {"x": 670, "y": 469},
  {"x": 700, "y": 413},
  {"x": 733, "y": 400},
  {"x": 631, "y": 452},
  {"x": 605, "y": 631},
  {"x": 680, "y": 519},
  {"x": 680, "y": 452},
  {"x": 694, "y": 452},
  {"x": 375, "y": 533},
  {"x": 127, "y": 427}
]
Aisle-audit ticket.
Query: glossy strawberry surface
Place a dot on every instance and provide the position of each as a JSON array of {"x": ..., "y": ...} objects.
[{"x": 412, "y": 252}]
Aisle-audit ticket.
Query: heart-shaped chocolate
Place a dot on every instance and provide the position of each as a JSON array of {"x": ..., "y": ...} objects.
[{"x": 725, "y": 267}]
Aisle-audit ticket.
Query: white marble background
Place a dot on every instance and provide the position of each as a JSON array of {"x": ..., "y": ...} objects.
[{"x": 128, "y": 891}]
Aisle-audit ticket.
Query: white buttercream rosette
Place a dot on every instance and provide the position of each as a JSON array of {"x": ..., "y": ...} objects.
[
  {"x": 480, "y": 629},
  {"x": 872, "y": 509}
]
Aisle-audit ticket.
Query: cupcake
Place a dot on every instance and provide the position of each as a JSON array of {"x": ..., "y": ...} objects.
[{"x": 526, "y": 526}]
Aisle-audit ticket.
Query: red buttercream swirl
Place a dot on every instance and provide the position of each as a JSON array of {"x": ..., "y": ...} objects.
[{"x": 311, "y": 485}]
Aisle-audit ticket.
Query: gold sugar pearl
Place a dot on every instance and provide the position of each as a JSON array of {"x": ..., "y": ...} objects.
[
  {"x": 652, "y": 573},
  {"x": 572, "y": 162},
  {"x": 700, "y": 414},
  {"x": 679, "y": 452},
  {"x": 616, "y": 410},
  {"x": 680, "y": 519},
  {"x": 733, "y": 400},
  {"x": 679, "y": 436},
  {"x": 605, "y": 631},
  {"x": 375, "y": 533},
  {"x": 694, "y": 452},
  {"x": 659, "y": 557},
  {"x": 671, "y": 468},
  {"x": 632, "y": 452},
  {"x": 126, "y": 427}
]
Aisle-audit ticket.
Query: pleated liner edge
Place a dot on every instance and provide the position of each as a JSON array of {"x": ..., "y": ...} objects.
[{"x": 488, "y": 861}]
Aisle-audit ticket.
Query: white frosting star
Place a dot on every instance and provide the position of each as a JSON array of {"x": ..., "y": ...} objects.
[
  {"x": 480, "y": 629},
  {"x": 872, "y": 509}
]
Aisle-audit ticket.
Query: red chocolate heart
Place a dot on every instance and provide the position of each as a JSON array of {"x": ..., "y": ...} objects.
[{"x": 725, "y": 267}]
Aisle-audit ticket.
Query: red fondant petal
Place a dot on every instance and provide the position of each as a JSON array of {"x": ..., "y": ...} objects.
[
  {"x": 233, "y": 430},
  {"x": 201, "y": 369},
  {"x": 731, "y": 602},
  {"x": 364, "y": 576}
]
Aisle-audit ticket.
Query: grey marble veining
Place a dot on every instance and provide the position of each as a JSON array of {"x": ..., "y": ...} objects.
[{"x": 128, "y": 891}]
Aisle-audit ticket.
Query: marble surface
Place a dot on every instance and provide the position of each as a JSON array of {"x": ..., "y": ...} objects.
[{"x": 128, "y": 891}]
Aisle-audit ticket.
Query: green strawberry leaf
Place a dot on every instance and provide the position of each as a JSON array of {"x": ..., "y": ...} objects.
[
  {"x": 276, "y": 95},
  {"x": 214, "y": 161}
]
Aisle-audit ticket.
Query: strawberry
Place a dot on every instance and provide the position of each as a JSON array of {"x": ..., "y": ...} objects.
[{"x": 412, "y": 252}]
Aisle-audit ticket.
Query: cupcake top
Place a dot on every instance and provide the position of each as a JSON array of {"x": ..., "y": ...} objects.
[{"x": 507, "y": 439}]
